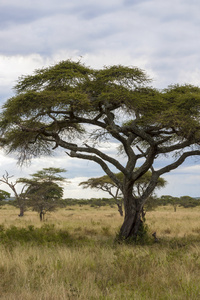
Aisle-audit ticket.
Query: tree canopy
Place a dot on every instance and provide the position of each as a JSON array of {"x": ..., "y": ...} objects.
[
  {"x": 4, "y": 195},
  {"x": 105, "y": 184},
  {"x": 49, "y": 175},
  {"x": 77, "y": 108},
  {"x": 42, "y": 190}
]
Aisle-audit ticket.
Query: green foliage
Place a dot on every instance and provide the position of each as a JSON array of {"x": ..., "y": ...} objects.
[
  {"x": 44, "y": 196},
  {"x": 49, "y": 175},
  {"x": 46, "y": 235},
  {"x": 59, "y": 77},
  {"x": 151, "y": 203},
  {"x": 10, "y": 202},
  {"x": 187, "y": 201},
  {"x": 68, "y": 87},
  {"x": 43, "y": 192},
  {"x": 93, "y": 202},
  {"x": 184, "y": 201},
  {"x": 4, "y": 195},
  {"x": 2, "y": 202},
  {"x": 143, "y": 236}
]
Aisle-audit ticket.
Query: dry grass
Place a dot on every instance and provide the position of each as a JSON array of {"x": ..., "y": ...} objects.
[
  {"x": 98, "y": 268},
  {"x": 182, "y": 223}
]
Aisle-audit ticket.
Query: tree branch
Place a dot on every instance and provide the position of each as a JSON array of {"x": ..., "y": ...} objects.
[
  {"x": 177, "y": 163},
  {"x": 100, "y": 162}
]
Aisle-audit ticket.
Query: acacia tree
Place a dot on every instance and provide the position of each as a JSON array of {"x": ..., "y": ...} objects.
[
  {"x": 174, "y": 201},
  {"x": 75, "y": 107},
  {"x": 183, "y": 201},
  {"x": 43, "y": 191},
  {"x": 106, "y": 184},
  {"x": 44, "y": 197},
  {"x": 4, "y": 195}
]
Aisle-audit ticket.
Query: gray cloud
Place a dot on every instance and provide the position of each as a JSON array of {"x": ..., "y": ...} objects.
[{"x": 163, "y": 32}]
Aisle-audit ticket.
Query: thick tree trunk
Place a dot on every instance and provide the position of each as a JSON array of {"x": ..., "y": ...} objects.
[
  {"x": 131, "y": 225},
  {"x": 42, "y": 215},
  {"x": 21, "y": 212},
  {"x": 120, "y": 210},
  {"x": 133, "y": 215}
]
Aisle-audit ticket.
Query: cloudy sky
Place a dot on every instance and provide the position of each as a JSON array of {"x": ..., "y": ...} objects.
[{"x": 161, "y": 37}]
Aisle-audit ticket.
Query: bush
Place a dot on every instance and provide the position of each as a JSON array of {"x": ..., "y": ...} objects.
[{"x": 47, "y": 234}]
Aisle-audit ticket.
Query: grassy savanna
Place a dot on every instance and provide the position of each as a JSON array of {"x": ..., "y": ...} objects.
[{"x": 72, "y": 255}]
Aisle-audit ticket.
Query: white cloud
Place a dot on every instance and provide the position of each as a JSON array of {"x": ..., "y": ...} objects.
[
  {"x": 73, "y": 190},
  {"x": 192, "y": 169},
  {"x": 181, "y": 185}
]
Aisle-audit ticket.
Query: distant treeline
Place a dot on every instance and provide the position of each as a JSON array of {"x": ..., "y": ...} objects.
[
  {"x": 93, "y": 202},
  {"x": 184, "y": 201}
]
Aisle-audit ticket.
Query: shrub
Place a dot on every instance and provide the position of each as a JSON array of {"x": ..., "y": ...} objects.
[{"x": 47, "y": 234}]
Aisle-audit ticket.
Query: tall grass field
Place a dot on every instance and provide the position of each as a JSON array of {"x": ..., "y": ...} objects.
[{"x": 73, "y": 255}]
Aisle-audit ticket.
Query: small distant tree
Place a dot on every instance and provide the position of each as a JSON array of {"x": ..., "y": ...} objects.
[
  {"x": 43, "y": 192},
  {"x": 106, "y": 184},
  {"x": 187, "y": 201},
  {"x": 4, "y": 195},
  {"x": 44, "y": 196},
  {"x": 168, "y": 199}
]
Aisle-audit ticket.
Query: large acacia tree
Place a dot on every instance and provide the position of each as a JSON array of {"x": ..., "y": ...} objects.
[{"x": 76, "y": 108}]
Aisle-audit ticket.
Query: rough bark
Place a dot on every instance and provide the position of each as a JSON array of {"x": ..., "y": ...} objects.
[
  {"x": 42, "y": 216},
  {"x": 133, "y": 219},
  {"x": 21, "y": 211},
  {"x": 131, "y": 225},
  {"x": 120, "y": 210}
]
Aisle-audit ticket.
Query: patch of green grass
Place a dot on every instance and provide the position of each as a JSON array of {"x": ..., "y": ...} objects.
[{"x": 47, "y": 234}]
